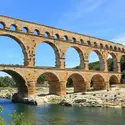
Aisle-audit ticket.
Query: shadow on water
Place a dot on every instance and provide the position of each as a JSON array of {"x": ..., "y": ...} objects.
[{"x": 59, "y": 115}]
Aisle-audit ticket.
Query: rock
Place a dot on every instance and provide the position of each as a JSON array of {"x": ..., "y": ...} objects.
[{"x": 80, "y": 100}]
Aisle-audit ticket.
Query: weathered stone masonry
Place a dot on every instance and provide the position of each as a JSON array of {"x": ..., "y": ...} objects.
[{"x": 60, "y": 40}]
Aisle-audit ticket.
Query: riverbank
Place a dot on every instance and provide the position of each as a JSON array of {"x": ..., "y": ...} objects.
[{"x": 103, "y": 98}]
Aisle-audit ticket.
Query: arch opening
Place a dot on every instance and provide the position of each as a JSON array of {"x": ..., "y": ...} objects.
[
  {"x": 81, "y": 42},
  {"x": 122, "y": 66},
  {"x": 98, "y": 82},
  {"x": 13, "y": 50},
  {"x": 13, "y": 27},
  {"x": 46, "y": 34},
  {"x": 76, "y": 83},
  {"x": 96, "y": 61},
  {"x": 74, "y": 58},
  {"x": 2, "y": 25},
  {"x": 65, "y": 38},
  {"x": 51, "y": 82},
  {"x": 9, "y": 78},
  {"x": 56, "y": 36},
  {"x": 51, "y": 58},
  {"x": 36, "y": 32},
  {"x": 25, "y": 30},
  {"x": 112, "y": 62},
  {"x": 113, "y": 81},
  {"x": 73, "y": 40}
]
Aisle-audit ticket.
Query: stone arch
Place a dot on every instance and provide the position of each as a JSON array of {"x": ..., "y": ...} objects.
[
  {"x": 101, "y": 60},
  {"x": 80, "y": 53},
  {"x": 46, "y": 34},
  {"x": 113, "y": 80},
  {"x": 54, "y": 82},
  {"x": 123, "y": 50},
  {"x": 20, "y": 82},
  {"x": 101, "y": 45},
  {"x": 95, "y": 44},
  {"x": 65, "y": 38},
  {"x": 119, "y": 49},
  {"x": 2, "y": 25},
  {"x": 73, "y": 40},
  {"x": 56, "y": 36},
  {"x": 115, "y": 48},
  {"x": 20, "y": 44},
  {"x": 81, "y": 42},
  {"x": 56, "y": 51},
  {"x": 98, "y": 82},
  {"x": 79, "y": 82},
  {"x": 13, "y": 27},
  {"x": 36, "y": 32},
  {"x": 106, "y": 46},
  {"x": 88, "y": 43},
  {"x": 25, "y": 30},
  {"x": 114, "y": 62}
]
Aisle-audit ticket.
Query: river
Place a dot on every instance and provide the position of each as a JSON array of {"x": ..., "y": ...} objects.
[{"x": 59, "y": 115}]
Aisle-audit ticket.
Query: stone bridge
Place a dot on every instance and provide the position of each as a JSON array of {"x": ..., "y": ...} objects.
[{"x": 29, "y": 35}]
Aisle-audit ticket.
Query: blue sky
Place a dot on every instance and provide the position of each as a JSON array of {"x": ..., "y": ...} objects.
[{"x": 101, "y": 18}]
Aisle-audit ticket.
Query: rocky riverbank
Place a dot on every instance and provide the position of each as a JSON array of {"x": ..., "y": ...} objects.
[{"x": 112, "y": 98}]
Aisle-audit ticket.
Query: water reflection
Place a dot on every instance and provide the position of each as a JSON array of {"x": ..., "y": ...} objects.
[{"x": 59, "y": 115}]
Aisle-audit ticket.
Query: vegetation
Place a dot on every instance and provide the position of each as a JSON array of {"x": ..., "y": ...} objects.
[{"x": 17, "y": 119}]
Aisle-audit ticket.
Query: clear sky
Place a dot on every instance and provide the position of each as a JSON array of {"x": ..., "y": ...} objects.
[{"x": 101, "y": 18}]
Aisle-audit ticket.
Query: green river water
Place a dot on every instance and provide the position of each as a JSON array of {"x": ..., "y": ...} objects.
[{"x": 59, "y": 115}]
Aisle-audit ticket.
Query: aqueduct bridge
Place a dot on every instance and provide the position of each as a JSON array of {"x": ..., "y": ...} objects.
[{"x": 60, "y": 40}]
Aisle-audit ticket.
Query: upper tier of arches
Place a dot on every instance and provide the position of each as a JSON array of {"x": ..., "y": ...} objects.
[{"x": 57, "y": 34}]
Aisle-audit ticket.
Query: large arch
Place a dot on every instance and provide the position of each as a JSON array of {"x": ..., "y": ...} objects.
[
  {"x": 56, "y": 52},
  {"x": 98, "y": 82},
  {"x": 78, "y": 51},
  {"x": 78, "y": 81},
  {"x": 112, "y": 62},
  {"x": 113, "y": 80},
  {"x": 20, "y": 82},
  {"x": 54, "y": 83},
  {"x": 98, "y": 63},
  {"x": 20, "y": 43}
]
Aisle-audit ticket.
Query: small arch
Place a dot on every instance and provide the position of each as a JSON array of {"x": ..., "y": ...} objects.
[
  {"x": 36, "y": 32},
  {"x": 2, "y": 25},
  {"x": 78, "y": 81},
  {"x": 101, "y": 45},
  {"x": 65, "y": 38},
  {"x": 106, "y": 46},
  {"x": 113, "y": 80},
  {"x": 13, "y": 27},
  {"x": 111, "y": 48},
  {"x": 25, "y": 30},
  {"x": 56, "y": 36},
  {"x": 95, "y": 44},
  {"x": 81, "y": 42},
  {"x": 123, "y": 50},
  {"x": 46, "y": 34},
  {"x": 98, "y": 82},
  {"x": 53, "y": 82},
  {"x": 115, "y": 48},
  {"x": 73, "y": 40},
  {"x": 119, "y": 49},
  {"x": 88, "y": 43}
]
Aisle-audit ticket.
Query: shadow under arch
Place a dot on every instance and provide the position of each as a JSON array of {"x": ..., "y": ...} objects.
[
  {"x": 101, "y": 61},
  {"x": 20, "y": 44},
  {"x": 20, "y": 82},
  {"x": 56, "y": 51},
  {"x": 78, "y": 81},
  {"x": 53, "y": 82},
  {"x": 98, "y": 82},
  {"x": 80, "y": 53},
  {"x": 113, "y": 80}
]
